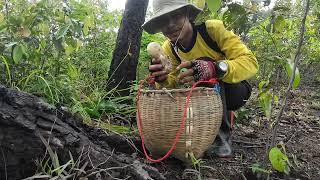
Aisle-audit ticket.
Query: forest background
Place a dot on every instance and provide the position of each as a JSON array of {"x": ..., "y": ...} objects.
[{"x": 62, "y": 50}]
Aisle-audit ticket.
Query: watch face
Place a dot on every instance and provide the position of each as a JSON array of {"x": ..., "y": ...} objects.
[{"x": 223, "y": 66}]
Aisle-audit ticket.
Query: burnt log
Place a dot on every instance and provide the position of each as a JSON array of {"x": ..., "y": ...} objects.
[{"x": 28, "y": 126}]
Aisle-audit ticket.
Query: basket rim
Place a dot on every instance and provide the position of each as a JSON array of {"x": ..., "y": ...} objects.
[{"x": 164, "y": 90}]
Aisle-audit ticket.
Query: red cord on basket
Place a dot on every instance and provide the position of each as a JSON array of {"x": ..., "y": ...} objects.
[{"x": 182, "y": 124}]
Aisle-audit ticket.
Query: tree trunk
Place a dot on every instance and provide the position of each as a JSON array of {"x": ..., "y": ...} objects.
[
  {"x": 125, "y": 56},
  {"x": 26, "y": 123}
]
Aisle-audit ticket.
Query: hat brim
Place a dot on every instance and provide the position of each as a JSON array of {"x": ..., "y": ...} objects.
[{"x": 151, "y": 25}]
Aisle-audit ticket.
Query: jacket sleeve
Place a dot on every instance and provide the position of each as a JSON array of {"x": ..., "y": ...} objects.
[
  {"x": 241, "y": 62},
  {"x": 171, "y": 81}
]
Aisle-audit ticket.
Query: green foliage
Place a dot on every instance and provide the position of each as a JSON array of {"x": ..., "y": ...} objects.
[
  {"x": 266, "y": 98},
  {"x": 279, "y": 160},
  {"x": 51, "y": 168},
  {"x": 289, "y": 69},
  {"x": 214, "y": 5},
  {"x": 5, "y": 62},
  {"x": 61, "y": 50},
  {"x": 279, "y": 24},
  {"x": 17, "y": 54},
  {"x": 265, "y": 102},
  {"x": 236, "y": 18},
  {"x": 196, "y": 163},
  {"x": 242, "y": 114},
  {"x": 275, "y": 37}
]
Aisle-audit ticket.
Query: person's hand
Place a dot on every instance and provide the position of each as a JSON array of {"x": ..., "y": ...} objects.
[
  {"x": 157, "y": 70},
  {"x": 197, "y": 70},
  {"x": 186, "y": 72}
]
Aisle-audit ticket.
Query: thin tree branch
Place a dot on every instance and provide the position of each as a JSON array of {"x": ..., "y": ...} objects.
[{"x": 296, "y": 61}]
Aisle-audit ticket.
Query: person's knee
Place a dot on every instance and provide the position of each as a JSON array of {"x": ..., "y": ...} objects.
[{"x": 237, "y": 95}]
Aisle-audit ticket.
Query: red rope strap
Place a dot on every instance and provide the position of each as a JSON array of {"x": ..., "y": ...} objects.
[{"x": 182, "y": 124}]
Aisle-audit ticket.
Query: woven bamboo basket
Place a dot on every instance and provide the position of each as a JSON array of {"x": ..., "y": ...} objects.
[{"x": 161, "y": 113}]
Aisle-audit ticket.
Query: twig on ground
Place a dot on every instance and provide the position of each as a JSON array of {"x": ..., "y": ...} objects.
[
  {"x": 106, "y": 159},
  {"x": 293, "y": 135},
  {"x": 247, "y": 142},
  {"x": 81, "y": 170},
  {"x": 37, "y": 176},
  {"x": 130, "y": 142},
  {"x": 243, "y": 176},
  {"x": 208, "y": 167},
  {"x": 90, "y": 157},
  {"x": 224, "y": 177},
  {"x": 94, "y": 169},
  {"x": 78, "y": 161},
  {"x": 253, "y": 146},
  {"x": 190, "y": 171},
  {"x": 107, "y": 169},
  {"x": 117, "y": 178}
]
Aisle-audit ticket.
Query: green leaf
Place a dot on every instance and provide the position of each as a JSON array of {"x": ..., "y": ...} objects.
[
  {"x": 16, "y": 20},
  {"x": 62, "y": 31},
  {"x": 279, "y": 23},
  {"x": 200, "y": 3},
  {"x": 69, "y": 50},
  {"x": 276, "y": 100},
  {"x": 1, "y": 17},
  {"x": 268, "y": 28},
  {"x": 24, "y": 51},
  {"x": 279, "y": 160},
  {"x": 214, "y": 5},
  {"x": 85, "y": 30},
  {"x": 17, "y": 54},
  {"x": 93, "y": 112},
  {"x": 43, "y": 43},
  {"x": 73, "y": 72},
  {"x": 108, "y": 106},
  {"x": 289, "y": 69},
  {"x": 44, "y": 28},
  {"x": 79, "y": 44},
  {"x": 87, "y": 23},
  {"x": 263, "y": 84},
  {"x": 265, "y": 102}
]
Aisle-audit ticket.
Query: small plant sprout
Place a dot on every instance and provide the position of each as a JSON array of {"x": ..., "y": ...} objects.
[
  {"x": 279, "y": 159},
  {"x": 195, "y": 162}
]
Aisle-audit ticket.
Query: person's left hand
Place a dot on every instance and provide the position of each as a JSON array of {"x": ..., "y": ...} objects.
[{"x": 197, "y": 70}]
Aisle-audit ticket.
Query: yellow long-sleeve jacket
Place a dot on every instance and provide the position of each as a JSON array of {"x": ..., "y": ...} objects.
[{"x": 242, "y": 64}]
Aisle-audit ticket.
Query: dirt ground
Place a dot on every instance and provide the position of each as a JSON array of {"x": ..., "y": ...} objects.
[{"x": 298, "y": 130}]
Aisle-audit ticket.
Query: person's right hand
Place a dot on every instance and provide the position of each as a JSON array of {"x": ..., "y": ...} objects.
[{"x": 157, "y": 70}]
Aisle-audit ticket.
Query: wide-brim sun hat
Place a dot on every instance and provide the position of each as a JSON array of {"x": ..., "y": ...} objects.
[{"x": 163, "y": 7}]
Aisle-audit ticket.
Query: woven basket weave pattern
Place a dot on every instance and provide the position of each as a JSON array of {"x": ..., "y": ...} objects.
[{"x": 161, "y": 117}]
